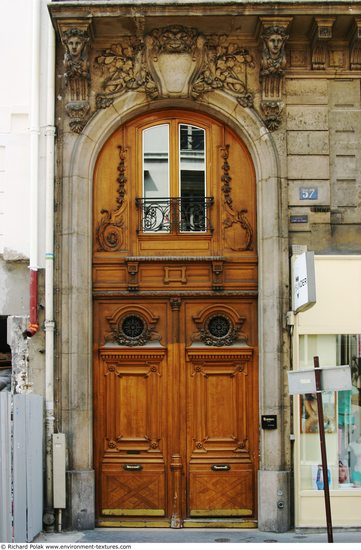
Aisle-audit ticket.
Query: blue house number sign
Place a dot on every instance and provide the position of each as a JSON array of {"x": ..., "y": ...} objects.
[{"x": 308, "y": 193}]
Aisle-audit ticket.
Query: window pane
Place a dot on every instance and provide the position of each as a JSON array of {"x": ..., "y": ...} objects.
[
  {"x": 342, "y": 415},
  {"x": 192, "y": 165},
  {"x": 156, "y": 178}
]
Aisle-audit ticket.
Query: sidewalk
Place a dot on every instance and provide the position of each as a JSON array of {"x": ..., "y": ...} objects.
[{"x": 149, "y": 535}]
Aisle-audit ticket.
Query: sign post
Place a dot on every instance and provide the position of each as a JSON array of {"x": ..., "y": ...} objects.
[
  {"x": 321, "y": 429},
  {"x": 317, "y": 380}
]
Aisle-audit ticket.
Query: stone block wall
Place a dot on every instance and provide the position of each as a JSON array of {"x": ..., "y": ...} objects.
[{"x": 324, "y": 163}]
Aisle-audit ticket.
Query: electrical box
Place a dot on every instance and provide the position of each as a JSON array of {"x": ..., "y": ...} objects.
[{"x": 59, "y": 455}]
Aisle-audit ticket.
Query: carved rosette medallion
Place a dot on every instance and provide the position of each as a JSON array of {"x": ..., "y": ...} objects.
[
  {"x": 110, "y": 229},
  {"x": 234, "y": 218},
  {"x": 175, "y": 61}
]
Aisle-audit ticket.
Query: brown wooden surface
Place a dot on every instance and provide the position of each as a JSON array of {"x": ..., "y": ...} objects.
[{"x": 175, "y": 420}]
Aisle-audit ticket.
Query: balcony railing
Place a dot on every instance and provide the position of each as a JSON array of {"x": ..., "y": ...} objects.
[{"x": 174, "y": 215}]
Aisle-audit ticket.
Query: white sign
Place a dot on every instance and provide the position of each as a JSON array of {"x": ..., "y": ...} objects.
[
  {"x": 303, "y": 281},
  {"x": 332, "y": 379}
]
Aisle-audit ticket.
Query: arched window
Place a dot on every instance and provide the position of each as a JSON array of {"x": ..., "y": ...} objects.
[{"x": 174, "y": 179}]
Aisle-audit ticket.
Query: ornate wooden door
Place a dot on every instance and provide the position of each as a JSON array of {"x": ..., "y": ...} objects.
[{"x": 175, "y": 324}]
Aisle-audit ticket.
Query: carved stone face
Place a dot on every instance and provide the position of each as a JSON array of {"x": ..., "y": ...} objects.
[
  {"x": 274, "y": 44},
  {"x": 75, "y": 45}
]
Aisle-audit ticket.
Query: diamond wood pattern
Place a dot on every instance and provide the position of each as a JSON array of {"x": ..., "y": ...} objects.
[
  {"x": 130, "y": 493},
  {"x": 228, "y": 493}
]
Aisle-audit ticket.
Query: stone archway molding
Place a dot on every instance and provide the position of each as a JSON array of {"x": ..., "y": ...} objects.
[{"x": 79, "y": 157}]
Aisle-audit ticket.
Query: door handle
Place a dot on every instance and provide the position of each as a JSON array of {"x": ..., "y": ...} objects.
[
  {"x": 222, "y": 467},
  {"x": 132, "y": 467}
]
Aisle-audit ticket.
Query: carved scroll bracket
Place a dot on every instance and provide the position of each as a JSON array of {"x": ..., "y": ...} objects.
[
  {"x": 355, "y": 46},
  {"x": 321, "y": 34},
  {"x": 274, "y": 36},
  {"x": 75, "y": 36}
]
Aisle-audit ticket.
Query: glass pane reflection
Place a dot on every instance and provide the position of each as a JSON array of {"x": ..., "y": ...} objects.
[
  {"x": 155, "y": 177},
  {"x": 192, "y": 172}
]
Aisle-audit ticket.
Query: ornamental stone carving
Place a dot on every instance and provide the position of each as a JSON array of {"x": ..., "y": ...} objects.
[
  {"x": 175, "y": 62},
  {"x": 272, "y": 69},
  {"x": 321, "y": 35},
  {"x": 75, "y": 40}
]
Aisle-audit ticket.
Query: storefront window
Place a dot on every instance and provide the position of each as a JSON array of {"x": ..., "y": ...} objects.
[{"x": 342, "y": 415}]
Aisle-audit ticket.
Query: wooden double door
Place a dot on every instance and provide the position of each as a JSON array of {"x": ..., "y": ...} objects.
[{"x": 176, "y": 422}]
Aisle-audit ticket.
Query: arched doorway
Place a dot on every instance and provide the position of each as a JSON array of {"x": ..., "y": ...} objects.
[{"x": 175, "y": 323}]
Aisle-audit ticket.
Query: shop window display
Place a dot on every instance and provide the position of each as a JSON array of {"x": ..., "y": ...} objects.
[{"x": 342, "y": 414}]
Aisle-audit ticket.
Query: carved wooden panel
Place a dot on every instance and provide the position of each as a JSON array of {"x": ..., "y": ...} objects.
[
  {"x": 221, "y": 423},
  {"x": 127, "y": 492},
  {"x": 221, "y": 493},
  {"x": 131, "y": 445}
]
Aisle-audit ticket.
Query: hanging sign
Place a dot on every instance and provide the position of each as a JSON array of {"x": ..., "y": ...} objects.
[{"x": 303, "y": 281}]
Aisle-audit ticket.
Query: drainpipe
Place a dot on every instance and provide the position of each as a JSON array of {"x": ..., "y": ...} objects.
[
  {"x": 33, "y": 326},
  {"x": 49, "y": 517}
]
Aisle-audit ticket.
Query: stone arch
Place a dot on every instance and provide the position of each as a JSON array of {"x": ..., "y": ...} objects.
[{"x": 76, "y": 235}]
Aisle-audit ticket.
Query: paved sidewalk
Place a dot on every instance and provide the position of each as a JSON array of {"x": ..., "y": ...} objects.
[{"x": 149, "y": 535}]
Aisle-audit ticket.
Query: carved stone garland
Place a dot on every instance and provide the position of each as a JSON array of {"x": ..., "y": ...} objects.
[
  {"x": 110, "y": 230},
  {"x": 202, "y": 64},
  {"x": 234, "y": 216}
]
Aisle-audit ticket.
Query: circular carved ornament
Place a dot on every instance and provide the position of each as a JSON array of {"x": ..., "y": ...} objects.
[
  {"x": 218, "y": 330},
  {"x": 132, "y": 330}
]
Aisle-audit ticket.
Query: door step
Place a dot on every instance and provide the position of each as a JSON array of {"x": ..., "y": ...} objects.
[
  {"x": 217, "y": 523},
  {"x": 201, "y": 523}
]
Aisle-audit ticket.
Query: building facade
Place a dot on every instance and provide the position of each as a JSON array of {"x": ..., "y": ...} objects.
[{"x": 199, "y": 145}]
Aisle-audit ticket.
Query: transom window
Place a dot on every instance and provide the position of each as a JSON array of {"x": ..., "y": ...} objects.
[{"x": 174, "y": 179}]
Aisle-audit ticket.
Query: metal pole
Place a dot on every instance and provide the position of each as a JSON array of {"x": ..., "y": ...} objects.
[{"x": 323, "y": 449}]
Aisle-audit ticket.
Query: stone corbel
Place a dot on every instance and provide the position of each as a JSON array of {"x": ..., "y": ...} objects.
[
  {"x": 321, "y": 34},
  {"x": 274, "y": 35},
  {"x": 75, "y": 36},
  {"x": 355, "y": 46}
]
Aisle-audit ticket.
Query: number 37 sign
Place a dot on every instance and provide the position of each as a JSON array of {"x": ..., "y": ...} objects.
[{"x": 308, "y": 193}]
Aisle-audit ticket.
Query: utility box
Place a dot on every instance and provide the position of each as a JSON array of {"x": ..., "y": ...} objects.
[{"x": 59, "y": 458}]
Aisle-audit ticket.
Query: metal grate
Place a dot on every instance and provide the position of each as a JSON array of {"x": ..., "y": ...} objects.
[{"x": 174, "y": 215}]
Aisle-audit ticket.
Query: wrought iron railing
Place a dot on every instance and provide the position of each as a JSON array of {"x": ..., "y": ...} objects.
[{"x": 174, "y": 215}]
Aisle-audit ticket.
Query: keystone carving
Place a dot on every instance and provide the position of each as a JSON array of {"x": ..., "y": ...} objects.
[
  {"x": 175, "y": 62},
  {"x": 273, "y": 64},
  {"x": 76, "y": 75}
]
